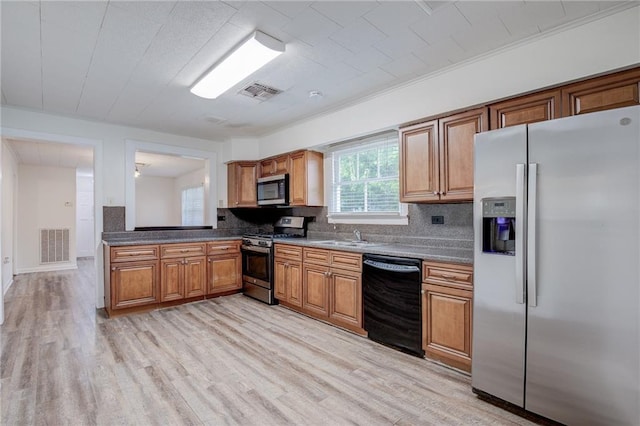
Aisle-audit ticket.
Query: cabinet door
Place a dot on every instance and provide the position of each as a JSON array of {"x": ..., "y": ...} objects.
[
  {"x": 525, "y": 110},
  {"x": 315, "y": 290},
  {"x": 294, "y": 283},
  {"x": 613, "y": 91},
  {"x": 172, "y": 282},
  {"x": 306, "y": 182},
  {"x": 281, "y": 165},
  {"x": 241, "y": 184},
  {"x": 134, "y": 284},
  {"x": 195, "y": 276},
  {"x": 225, "y": 274},
  {"x": 267, "y": 167},
  {"x": 345, "y": 304},
  {"x": 298, "y": 179},
  {"x": 456, "y": 153},
  {"x": 447, "y": 325},
  {"x": 419, "y": 166},
  {"x": 280, "y": 279}
]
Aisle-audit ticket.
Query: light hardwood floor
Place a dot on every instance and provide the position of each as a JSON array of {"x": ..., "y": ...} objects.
[{"x": 230, "y": 360}]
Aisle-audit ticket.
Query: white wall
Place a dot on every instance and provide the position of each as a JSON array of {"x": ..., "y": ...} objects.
[
  {"x": 113, "y": 142},
  {"x": 9, "y": 194},
  {"x": 85, "y": 238},
  {"x": 596, "y": 47},
  {"x": 46, "y": 199},
  {"x": 155, "y": 202}
]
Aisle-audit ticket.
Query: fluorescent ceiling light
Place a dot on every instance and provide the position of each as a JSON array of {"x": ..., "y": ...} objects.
[{"x": 248, "y": 57}]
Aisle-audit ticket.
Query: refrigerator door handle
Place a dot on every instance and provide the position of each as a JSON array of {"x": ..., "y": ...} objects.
[
  {"x": 520, "y": 227},
  {"x": 532, "y": 296}
]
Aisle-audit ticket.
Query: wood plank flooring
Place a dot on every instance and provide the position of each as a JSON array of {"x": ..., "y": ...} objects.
[{"x": 230, "y": 360}]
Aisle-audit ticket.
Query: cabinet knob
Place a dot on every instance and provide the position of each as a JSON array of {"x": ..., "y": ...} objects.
[
  {"x": 113, "y": 268},
  {"x": 422, "y": 292},
  {"x": 443, "y": 193},
  {"x": 435, "y": 192}
]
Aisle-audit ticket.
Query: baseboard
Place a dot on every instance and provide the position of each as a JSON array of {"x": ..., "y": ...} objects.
[
  {"x": 48, "y": 268},
  {"x": 8, "y": 286}
]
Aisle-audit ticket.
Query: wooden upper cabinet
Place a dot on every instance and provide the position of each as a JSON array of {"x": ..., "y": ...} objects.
[
  {"x": 241, "y": 184},
  {"x": 456, "y": 153},
  {"x": 525, "y": 110},
  {"x": 613, "y": 91},
  {"x": 419, "y": 163},
  {"x": 306, "y": 179},
  {"x": 274, "y": 166}
]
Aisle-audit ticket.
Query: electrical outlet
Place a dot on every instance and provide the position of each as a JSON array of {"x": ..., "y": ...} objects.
[
  {"x": 437, "y": 220},
  {"x": 222, "y": 218}
]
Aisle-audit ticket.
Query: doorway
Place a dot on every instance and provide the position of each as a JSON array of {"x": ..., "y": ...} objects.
[{"x": 51, "y": 157}]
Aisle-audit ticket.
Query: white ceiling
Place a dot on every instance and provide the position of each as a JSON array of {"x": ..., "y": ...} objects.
[
  {"x": 132, "y": 62},
  {"x": 51, "y": 154},
  {"x": 164, "y": 165}
]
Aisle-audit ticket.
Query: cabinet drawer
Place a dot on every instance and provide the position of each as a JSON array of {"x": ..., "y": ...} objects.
[
  {"x": 182, "y": 250},
  {"x": 134, "y": 253},
  {"x": 448, "y": 274},
  {"x": 346, "y": 260},
  {"x": 317, "y": 256},
  {"x": 223, "y": 247},
  {"x": 290, "y": 252}
]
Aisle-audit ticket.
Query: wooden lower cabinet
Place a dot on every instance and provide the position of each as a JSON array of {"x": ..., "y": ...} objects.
[
  {"x": 183, "y": 278},
  {"x": 345, "y": 298},
  {"x": 315, "y": 290},
  {"x": 134, "y": 284},
  {"x": 225, "y": 274},
  {"x": 145, "y": 277},
  {"x": 331, "y": 287},
  {"x": 447, "y": 307},
  {"x": 288, "y": 281}
]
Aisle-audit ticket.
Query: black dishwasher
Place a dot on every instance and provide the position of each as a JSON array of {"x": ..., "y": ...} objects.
[{"x": 392, "y": 301}]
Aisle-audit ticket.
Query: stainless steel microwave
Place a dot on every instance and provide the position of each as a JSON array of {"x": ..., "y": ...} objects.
[{"x": 273, "y": 190}]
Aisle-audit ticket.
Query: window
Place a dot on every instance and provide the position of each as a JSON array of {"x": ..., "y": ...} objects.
[
  {"x": 365, "y": 182},
  {"x": 193, "y": 206}
]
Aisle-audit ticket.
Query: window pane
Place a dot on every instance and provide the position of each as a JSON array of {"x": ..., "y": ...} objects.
[
  {"x": 347, "y": 167},
  {"x": 193, "y": 206},
  {"x": 351, "y": 198},
  {"x": 389, "y": 162},
  {"x": 365, "y": 177},
  {"x": 368, "y": 164},
  {"x": 383, "y": 196}
]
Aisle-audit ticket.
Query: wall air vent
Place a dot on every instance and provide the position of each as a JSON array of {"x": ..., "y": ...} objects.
[
  {"x": 259, "y": 91},
  {"x": 54, "y": 245}
]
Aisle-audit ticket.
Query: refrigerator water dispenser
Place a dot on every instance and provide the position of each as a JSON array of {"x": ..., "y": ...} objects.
[{"x": 499, "y": 225}]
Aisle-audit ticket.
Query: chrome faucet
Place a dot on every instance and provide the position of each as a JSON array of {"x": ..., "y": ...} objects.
[{"x": 357, "y": 234}]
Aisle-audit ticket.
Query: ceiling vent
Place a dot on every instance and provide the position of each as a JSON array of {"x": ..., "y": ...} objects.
[{"x": 259, "y": 91}]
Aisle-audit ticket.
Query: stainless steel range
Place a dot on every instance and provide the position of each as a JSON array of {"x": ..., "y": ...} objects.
[{"x": 257, "y": 257}]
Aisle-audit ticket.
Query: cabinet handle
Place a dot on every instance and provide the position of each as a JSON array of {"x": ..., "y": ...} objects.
[{"x": 184, "y": 251}]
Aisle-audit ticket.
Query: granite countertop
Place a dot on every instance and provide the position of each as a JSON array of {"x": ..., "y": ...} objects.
[
  {"x": 442, "y": 254},
  {"x": 424, "y": 252},
  {"x": 166, "y": 240}
]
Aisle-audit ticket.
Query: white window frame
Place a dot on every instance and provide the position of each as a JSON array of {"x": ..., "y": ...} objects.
[
  {"x": 365, "y": 218},
  {"x": 182, "y": 205}
]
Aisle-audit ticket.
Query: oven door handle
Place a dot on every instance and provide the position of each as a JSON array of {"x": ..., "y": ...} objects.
[{"x": 265, "y": 250}]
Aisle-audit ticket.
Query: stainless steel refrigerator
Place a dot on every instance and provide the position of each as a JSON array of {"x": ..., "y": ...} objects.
[{"x": 556, "y": 316}]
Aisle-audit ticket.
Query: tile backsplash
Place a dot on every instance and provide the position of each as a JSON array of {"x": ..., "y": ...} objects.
[{"x": 456, "y": 231}]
